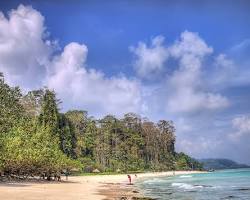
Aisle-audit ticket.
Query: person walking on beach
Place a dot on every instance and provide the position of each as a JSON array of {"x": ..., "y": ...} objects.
[{"x": 129, "y": 179}]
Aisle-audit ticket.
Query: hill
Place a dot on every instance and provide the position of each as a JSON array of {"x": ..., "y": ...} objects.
[{"x": 221, "y": 163}]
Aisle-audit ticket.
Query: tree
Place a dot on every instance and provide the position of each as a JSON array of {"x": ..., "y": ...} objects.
[
  {"x": 49, "y": 116},
  {"x": 67, "y": 136},
  {"x": 32, "y": 102},
  {"x": 78, "y": 122},
  {"x": 11, "y": 111},
  {"x": 26, "y": 154},
  {"x": 184, "y": 162},
  {"x": 36, "y": 139}
]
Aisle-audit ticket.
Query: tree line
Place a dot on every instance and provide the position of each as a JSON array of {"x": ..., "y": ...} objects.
[{"x": 36, "y": 139}]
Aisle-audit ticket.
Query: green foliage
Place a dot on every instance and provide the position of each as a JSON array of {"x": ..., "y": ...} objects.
[
  {"x": 184, "y": 162},
  {"x": 35, "y": 139},
  {"x": 30, "y": 145},
  {"x": 66, "y": 136},
  {"x": 10, "y": 108},
  {"x": 78, "y": 123},
  {"x": 10, "y": 112},
  {"x": 49, "y": 116},
  {"x": 26, "y": 154}
]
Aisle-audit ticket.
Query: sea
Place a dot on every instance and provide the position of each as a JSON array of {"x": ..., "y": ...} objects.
[{"x": 230, "y": 184}]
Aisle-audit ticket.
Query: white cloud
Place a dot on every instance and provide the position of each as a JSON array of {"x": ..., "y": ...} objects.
[
  {"x": 150, "y": 60},
  {"x": 242, "y": 47},
  {"x": 225, "y": 70},
  {"x": 237, "y": 73},
  {"x": 186, "y": 89},
  {"x": 242, "y": 126},
  {"x": 186, "y": 83},
  {"x": 194, "y": 146},
  {"x": 24, "y": 52},
  {"x": 26, "y": 59},
  {"x": 80, "y": 87},
  {"x": 190, "y": 49},
  {"x": 183, "y": 126},
  {"x": 226, "y": 73},
  {"x": 188, "y": 100}
]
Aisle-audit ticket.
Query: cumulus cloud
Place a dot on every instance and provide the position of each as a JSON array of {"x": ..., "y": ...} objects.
[
  {"x": 28, "y": 59},
  {"x": 150, "y": 59},
  {"x": 87, "y": 88},
  {"x": 183, "y": 126},
  {"x": 226, "y": 72},
  {"x": 230, "y": 68},
  {"x": 186, "y": 82},
  {"x": 242, "y": 126},
  {"x": 197, "y": 145},
  {"x": 186, "y": 89},
  {"x": 242, "y": 49},
  {"x": 190, "y": 48},
  {"x": 193, "y": 87},
  {"x": 24, "y": 52},
  {"x": 187, "y": 100}
]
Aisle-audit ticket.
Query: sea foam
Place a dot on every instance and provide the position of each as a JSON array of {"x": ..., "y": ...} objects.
[
  {"x": 154, "y": 180},
  {"x": 186, "y": 176},
  {"x": 186, "y": 186}
]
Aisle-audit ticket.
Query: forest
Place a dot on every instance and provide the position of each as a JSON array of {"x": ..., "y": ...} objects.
[{"x": 36, "y": 139}]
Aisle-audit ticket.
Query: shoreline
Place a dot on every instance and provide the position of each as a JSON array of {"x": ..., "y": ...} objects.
[
  {"x": 97, "y": 187},
  {"x": 118, "y": 191}
]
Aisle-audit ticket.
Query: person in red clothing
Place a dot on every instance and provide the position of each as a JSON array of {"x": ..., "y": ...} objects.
[{"x": 129, "y": 179}]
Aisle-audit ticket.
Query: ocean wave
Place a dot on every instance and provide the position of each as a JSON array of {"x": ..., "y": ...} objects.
[
  {"x": 186, "y": 176},
  {"x": 154, "y": 180},
  {"x": 189, "y": 186}
]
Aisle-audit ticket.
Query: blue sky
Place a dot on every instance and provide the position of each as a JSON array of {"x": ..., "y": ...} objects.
[
  {"x": 113, "y": 26},
  {"x": 182, "y": 60}
]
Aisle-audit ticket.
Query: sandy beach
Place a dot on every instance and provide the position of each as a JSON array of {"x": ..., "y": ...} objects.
[{"x": 78, "y": 187}]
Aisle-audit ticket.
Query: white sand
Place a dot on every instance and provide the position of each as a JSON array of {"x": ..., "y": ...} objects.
[{"x": 76, "y": 188}]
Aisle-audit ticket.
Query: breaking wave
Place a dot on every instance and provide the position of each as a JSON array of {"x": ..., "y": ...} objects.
[
  {"x": 188, "y": 186},
  {"x": 186, "y": 176}
]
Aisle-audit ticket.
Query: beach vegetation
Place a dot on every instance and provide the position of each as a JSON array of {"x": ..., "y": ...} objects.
[{"x": 37, "y": 139}]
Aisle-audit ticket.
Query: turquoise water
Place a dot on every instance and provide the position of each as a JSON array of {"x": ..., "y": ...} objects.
[{"x": 218, "y": 185}]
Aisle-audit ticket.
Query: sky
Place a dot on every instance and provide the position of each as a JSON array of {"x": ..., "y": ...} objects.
[{"x": 186, "y": 61}]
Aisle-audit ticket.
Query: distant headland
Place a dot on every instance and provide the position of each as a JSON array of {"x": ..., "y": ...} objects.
[{"x": 221, "y": 163}]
